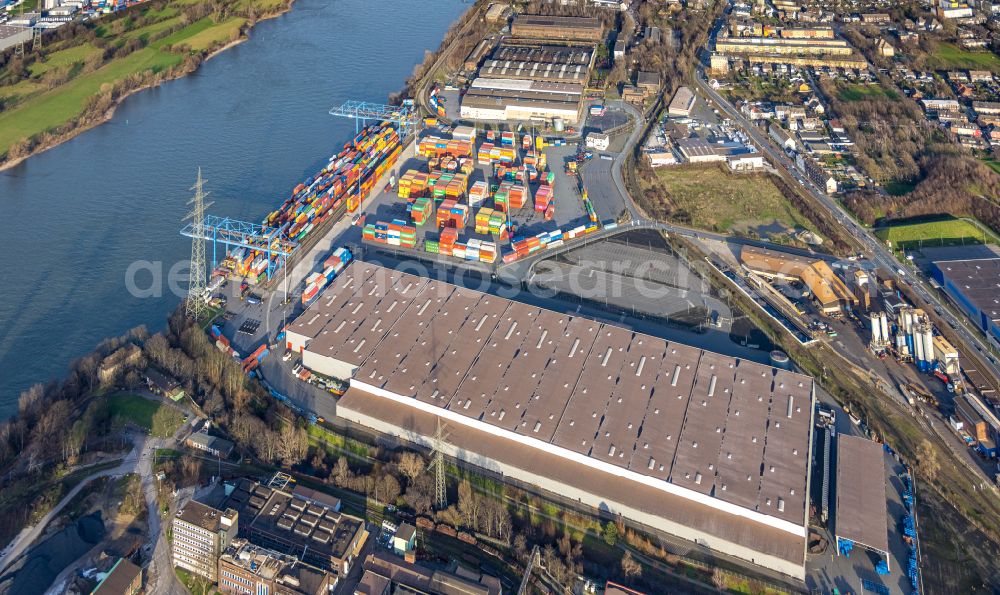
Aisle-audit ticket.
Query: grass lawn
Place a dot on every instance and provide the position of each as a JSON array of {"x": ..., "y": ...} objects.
[
  {"x": 59, "y": 105},
  {"x": 63, "y": 58},
  {"x": 149, "y": 30},
  {"x": 859, "y": 92},
  {"x": 196, "y": 584},
  {"x": 221, "y": 33},
  {"x": 48, "y": 109},
  {"x": 159, "y": 419},
  {"x": 716, "y": 200},
  {"x": 948, "y": 56},
  {"x": 946, "y": 232},
  {"x": 21, "y": 89}
]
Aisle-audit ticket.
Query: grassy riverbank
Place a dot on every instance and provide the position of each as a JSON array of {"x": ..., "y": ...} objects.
[{"x": 74, "y": 83}]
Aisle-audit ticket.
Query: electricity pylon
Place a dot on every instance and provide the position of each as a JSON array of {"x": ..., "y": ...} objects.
[{"x": 195, "y": 304}]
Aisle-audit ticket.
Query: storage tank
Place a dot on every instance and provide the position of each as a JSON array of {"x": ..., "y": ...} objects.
[
  {"x": 928, "y": 338},
  {"x": 557, "y": 123},
  {"x": 884, "y": 322},
  {"x": 901, "y": 347},
  {"x": 918, "y": 353},
  {"x": 779, "y": 359},
  {"x": 876, "y": 327}
]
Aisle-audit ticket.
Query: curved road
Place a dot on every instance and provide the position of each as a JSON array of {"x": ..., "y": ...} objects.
[{"x": 160, "y": 577}]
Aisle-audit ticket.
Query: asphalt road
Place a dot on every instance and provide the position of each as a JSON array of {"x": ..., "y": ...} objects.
[{"x": 877, "y": 252}]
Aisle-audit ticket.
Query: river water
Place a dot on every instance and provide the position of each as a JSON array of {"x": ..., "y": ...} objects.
[{"x": 77, "y": 219}]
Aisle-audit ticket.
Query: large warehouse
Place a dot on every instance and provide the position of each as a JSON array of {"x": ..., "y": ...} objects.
[
  {"x": 505, "y": 100},
  {"x": 971, "y": 276},
  {"x": 533, "y": 26},
  {"x": 699, "y": 445}
]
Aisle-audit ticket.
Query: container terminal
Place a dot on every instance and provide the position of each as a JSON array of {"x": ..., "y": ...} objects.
[{"x": 683, "y": 443}]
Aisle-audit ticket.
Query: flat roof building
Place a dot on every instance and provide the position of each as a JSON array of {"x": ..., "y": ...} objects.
[
  {"x": 248, "y": 568},
  {"x": 201, "y": 534},
  {"x": 549, "y": 54},
  {"x": 534, "y": 26},
  {"x": 699, "y": 445},
  {"x": 536, "y": 71},
  {"x": 861, "y": 516},
  {"x": 697, "y": 150},
  {"x": 505, "y": 100},
  {"x": 383, "y": 572},
  {"x": 973, "y": 284},
  {"x": 682, "y": 103},
  {"x": 301, "y": 522}
]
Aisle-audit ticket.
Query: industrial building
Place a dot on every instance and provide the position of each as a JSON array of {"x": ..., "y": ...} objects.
[
  {"x": 248, "y": 568},
  {"x": 498, "y": 12},
  {"x": 978, "y": 422},
  {"x": 861, "y": 515},
  {"x": 536, "y": 71},
  {"x": 385, "y": 574},
  {"x": 573, "y": 55},
  {"x": 829, "y": 292},
  {"x": 699, "y": 445},
  {"x": 201, "y": 534},
  {"x": 972, "y": 284},
  {"x": 698, "y": 150},
  {"x": 299, "y": 521},
  {"x": 506, "y": 100},
  {"x": 533, "y": 26},
  {"x": 11, "y": 35},
  {"x": 682, "y": 103}
]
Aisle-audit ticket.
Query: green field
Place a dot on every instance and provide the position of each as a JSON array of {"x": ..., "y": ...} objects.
[
  {"x": 947, "y": 56},
  {"x": 202, "y": 34},
  {"x": 63, "y": 58},
  {"x": 158, "y": 419},
  {"x": 946, "y": 232},
  {"x": 44, "y": 100},
  {"x": 854, "y": 92},
  {"x": 65, "y": 102},
  {"x": 147, "y": 31},
  {"x": 714, "y": 199}
]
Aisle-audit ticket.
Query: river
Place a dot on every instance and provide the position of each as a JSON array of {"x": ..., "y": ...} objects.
[{"x": 76, "y": 219}]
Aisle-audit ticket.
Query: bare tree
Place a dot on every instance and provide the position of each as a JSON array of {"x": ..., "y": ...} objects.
[{"x": 631, "y": 569}]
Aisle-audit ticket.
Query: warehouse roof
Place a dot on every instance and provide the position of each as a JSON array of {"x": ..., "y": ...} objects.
[
  {"x": 537, "y": 20},
  {"x": 541, "y": 71},
  {"x": 558, "y": 471},
  {"x": 861, "y": 513},
  {"x": 978, "y": 280},
  {"x": 717, "y": 425},
  {"x": 554, "y": 54},
  {"x": 517, "y": 85}
]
